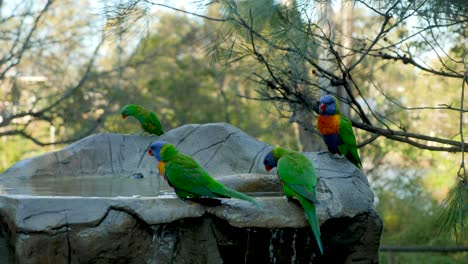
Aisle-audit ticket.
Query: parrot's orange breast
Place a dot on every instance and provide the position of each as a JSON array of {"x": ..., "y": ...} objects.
[
  {"x": 328, "y": 125},
  {"x": 162, "y": 168}
]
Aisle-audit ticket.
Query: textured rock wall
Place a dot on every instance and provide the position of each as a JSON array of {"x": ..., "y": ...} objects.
[
  {"x": 123, "y": 237},
  {"x": 220, "y": 148}
]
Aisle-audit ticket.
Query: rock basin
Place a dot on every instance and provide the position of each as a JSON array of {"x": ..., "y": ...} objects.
[{"x": 87, "y": 203}]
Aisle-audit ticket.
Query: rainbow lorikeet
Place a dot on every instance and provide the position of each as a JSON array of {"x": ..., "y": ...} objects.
[
  {"x": 148, "y": 120},
  {"x": 187, "y": 177},
  {"x": 336, "y": 130},
  {"x": 297, "y": 176}
]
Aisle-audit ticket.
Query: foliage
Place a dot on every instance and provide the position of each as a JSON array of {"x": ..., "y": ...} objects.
[
  {"x": 456, "y": 210},
  {"x": 411, "y": 217},
  {"x": 182, "y": 85},
  {"x": 46, "y": 62}
]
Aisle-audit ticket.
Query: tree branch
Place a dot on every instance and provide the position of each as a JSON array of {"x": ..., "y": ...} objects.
[
  {"x": 462, "y": 171},
  {"x": 39, "y": 114},
  {"x": 25, "y": 43},
  {"x": 38, "y": 142},
  {"x": 407, "y": 137},
  {"x": 189, "y": 13}
]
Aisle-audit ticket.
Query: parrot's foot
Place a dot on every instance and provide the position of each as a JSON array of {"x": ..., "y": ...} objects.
[
  {"x": 338, "y": 156},
  {"x": 292, "y": 200},
  {"x": 137, "y": 175}
]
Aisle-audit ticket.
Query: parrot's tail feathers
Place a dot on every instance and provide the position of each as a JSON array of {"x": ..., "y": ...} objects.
[
  {"x": 311, "y": 214},
  {"x": 354, "y": 158},
  {"x": 235, "y": 194}
]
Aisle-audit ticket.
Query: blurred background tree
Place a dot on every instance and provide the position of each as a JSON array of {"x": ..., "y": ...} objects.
[
  {"x": 48, "y": 54},
  {"x": 68, "y": 67}
]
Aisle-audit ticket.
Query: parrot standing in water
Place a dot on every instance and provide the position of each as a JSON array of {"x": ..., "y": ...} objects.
[
  {"x": 336, "y": 130},
  {"x": 148, "y": 120},
  {"x": 297, "y": 176},
  {"x": 187, "y": 177}
]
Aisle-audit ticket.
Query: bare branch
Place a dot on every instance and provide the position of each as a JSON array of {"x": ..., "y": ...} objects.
[
  {"x": 462, "y": 171},
  {"x": 381, "y": 33},
  {"x": 189, "y": 13},
  {"x": 283, "y": 91},
  {"x": 407, "y": 137},
  {"x": 368, "y": 141},
  {"x": 38, "y": 142},
  {"x": 409, "y": 60},
  {"x": 440, "y": 107},
  {"x": 40, "y": 113},
  {"x": 25, "y": 43}
]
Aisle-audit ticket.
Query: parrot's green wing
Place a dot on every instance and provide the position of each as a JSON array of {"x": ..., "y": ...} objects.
[
  {"x": 306, "y": 193},
  {"x": 296, "y": 170},
  {"x": 184, "y": 194},
  {"x": 349, "y": 146},
  {"x": 185, "y": 174},
  {"x": 156, "y": 125}
]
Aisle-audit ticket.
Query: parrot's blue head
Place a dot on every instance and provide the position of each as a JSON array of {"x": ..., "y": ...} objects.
[
  {"x": 270, "y": 161},
  {"x": 328, "y": 105},
  {"x": 155, "y": 149}
]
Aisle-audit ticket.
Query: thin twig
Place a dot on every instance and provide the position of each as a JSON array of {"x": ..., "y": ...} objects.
[
  {"x": 462, "y": 171},
  {"x": 381, "y": 33},
  {"x": 25, "y": 43},
  {"x": 368, "y": 141},
  {"x": 39, "y": 113},
  {"x": 188, "y": 12},
  {"x": 409, "y": 60}
]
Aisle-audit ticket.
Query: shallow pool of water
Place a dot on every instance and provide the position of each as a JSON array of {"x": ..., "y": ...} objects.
[
  {"x": 89, "y": 185},
  {"x": 96, "y": 186}
]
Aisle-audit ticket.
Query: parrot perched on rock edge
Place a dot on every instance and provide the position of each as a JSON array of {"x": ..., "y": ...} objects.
[
  {"x": 297, "y": 176},
  {"x": 148, "y": 120},
  {"x": 336, "y": 130},
  {"x": 187, "y": 177}
]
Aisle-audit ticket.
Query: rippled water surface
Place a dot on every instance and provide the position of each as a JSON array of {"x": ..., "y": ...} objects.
[
  {"x": 96, "y": 186},
  {"x": 89, "y": 185}
]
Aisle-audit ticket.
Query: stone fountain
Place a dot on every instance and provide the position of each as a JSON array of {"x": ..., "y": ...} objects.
[{"x": 101, "y": 200}]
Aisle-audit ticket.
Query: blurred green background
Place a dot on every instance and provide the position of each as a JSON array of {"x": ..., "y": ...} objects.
[{"x": 51, "y": 59}]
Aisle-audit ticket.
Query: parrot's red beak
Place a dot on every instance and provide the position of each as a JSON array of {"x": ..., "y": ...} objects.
[
  {"x": 323, "y": 107},
  {"x": 150, "y": 152},
  {"x": 124, "y": 116},
  {"x": 268, "y": 167}
]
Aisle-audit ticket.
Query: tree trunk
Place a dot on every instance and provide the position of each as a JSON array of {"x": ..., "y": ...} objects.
[{"x": 346, "y": 40}]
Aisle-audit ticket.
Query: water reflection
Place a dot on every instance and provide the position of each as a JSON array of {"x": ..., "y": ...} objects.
[
  {"x": 89, "y": 185},
  {"x": 98, "y": 186}
]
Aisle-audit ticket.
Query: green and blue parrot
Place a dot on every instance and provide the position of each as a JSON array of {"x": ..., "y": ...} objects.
[
  {"x": 148, "y": 120},
  {"x": 336, "y": 130},
  {"x": 187, "y": 177},
  {"x": 297, "y": 176}
]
